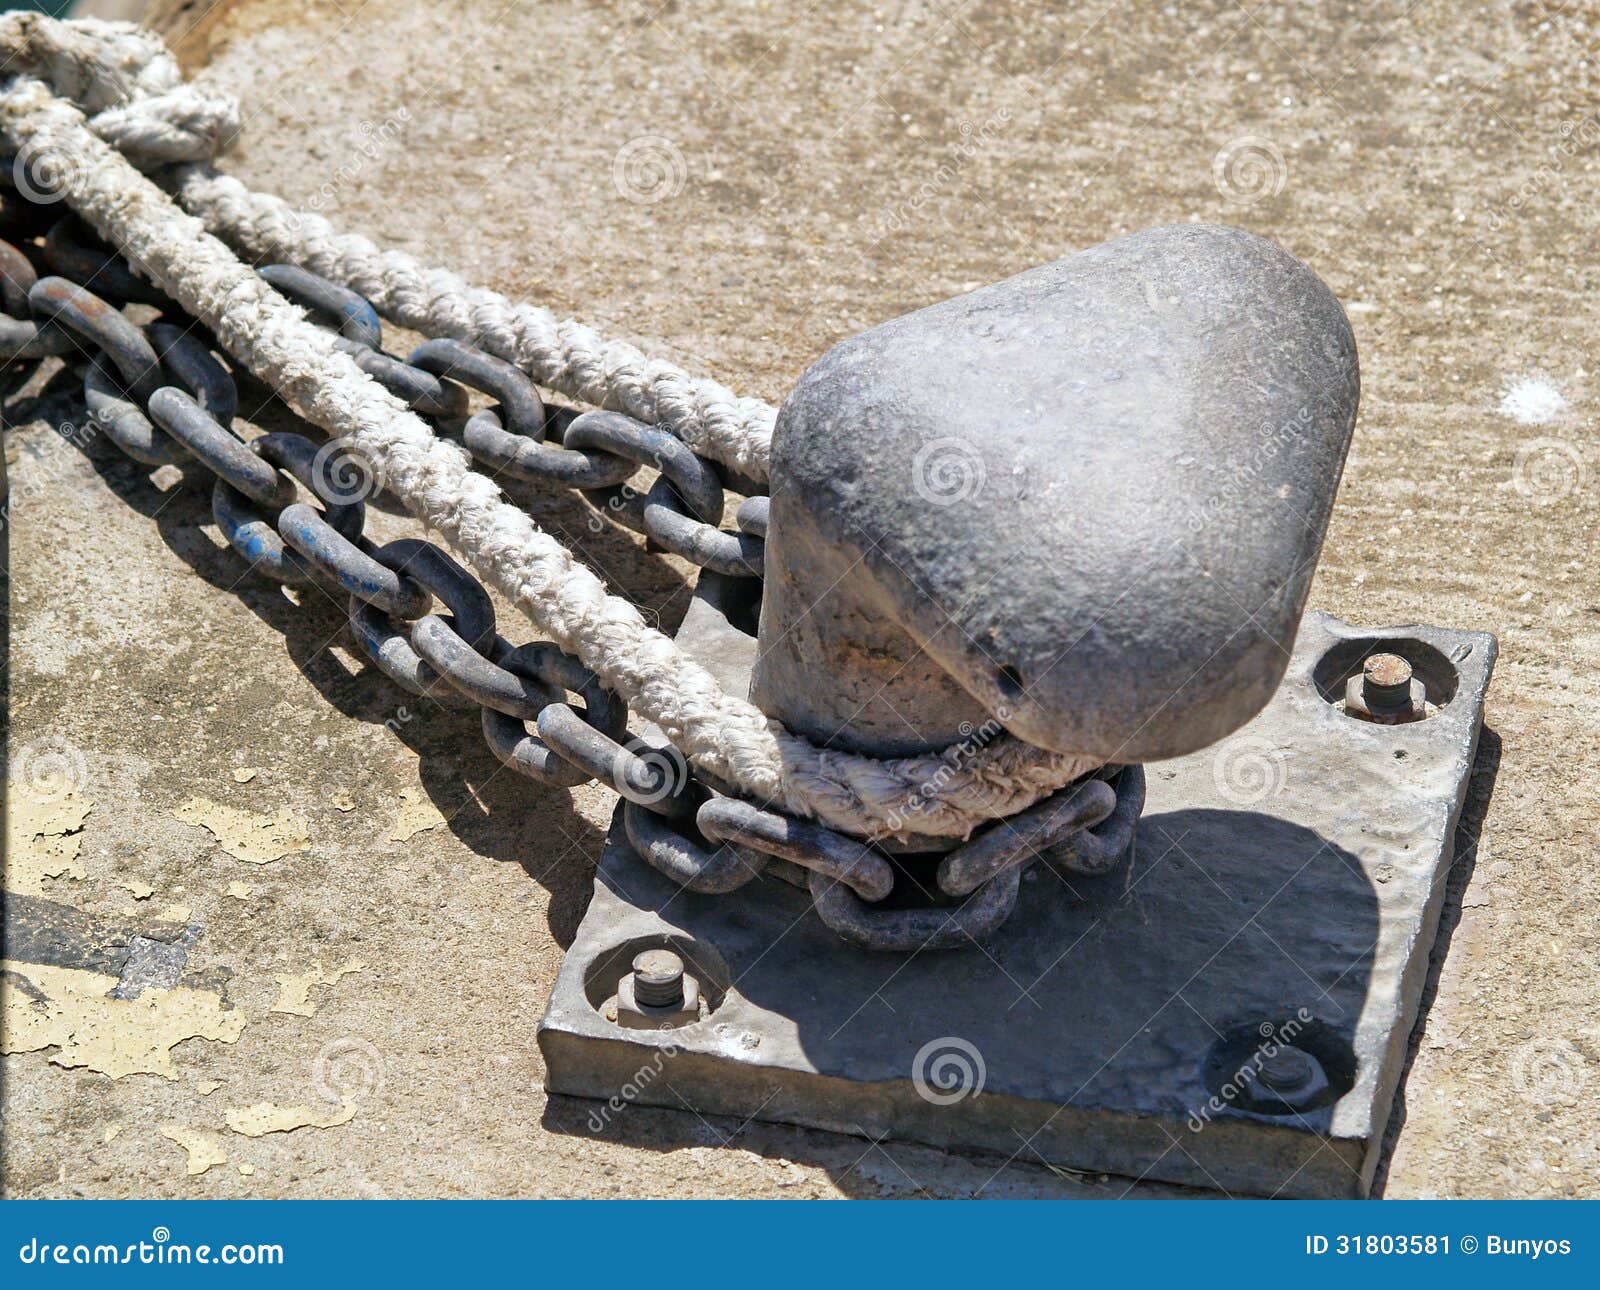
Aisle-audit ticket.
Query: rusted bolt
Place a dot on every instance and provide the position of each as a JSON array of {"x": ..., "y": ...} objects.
[
  {"x": 1386, "y": 682},
  {"x": 1387, "y": 692},
  {"x": 1289, "y": 1079},
  {"x": 658, "y": 979},
  {"x": 658, "y": 994},
  {"x": 1287, "y": 1069}
]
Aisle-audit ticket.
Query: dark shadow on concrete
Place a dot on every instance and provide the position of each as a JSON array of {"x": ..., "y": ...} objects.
[
  {"x": 1108, "y": 998},
  {"x": 486, "y": 805},
  {"x": 860, "y": 1168}
]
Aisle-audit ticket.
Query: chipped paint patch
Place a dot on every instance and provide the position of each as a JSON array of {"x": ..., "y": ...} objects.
[
  {"x": 138, "y": 890},
  {"x": 248, "y": 835},
  {"x": 415, "y": 814},
  {"x": 343, "y": 800},
  {"x": 240, "y": 890},
  {"x": 154, "y": 964},
  {"x": 71, "y": 1010},
  {"x": 207, "y": 1087},
  {"x": 42, "y": 840},
  {"x": 268, "y": 1117},
  {"x": 247, "y": 1171},
  {"x": 294, "y": 992},
  {"x": 244, "y": 774},
  {"x": 205, "y": 1149}
]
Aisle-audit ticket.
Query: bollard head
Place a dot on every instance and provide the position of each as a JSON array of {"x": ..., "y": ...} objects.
[{"x": 1088, "y": 500}]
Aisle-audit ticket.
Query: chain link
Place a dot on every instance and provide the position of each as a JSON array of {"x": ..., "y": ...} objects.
[{"x": 161, "y": 395}]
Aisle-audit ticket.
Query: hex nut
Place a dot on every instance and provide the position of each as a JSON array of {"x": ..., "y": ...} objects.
[
  {"x": 1358, "y": 704},
  {"x": 1290, "y": 1080},
  {"x": 633, "y": 1015}
]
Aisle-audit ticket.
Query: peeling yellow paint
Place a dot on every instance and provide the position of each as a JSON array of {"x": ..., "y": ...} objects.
[
  {"x": 342, "y": 801},
  {"x": 268, "y": 1117},
  {"x": 415, "y": 814},
  {"x": 248, "y": 835},
  {"x": 206, "y": 1087},
  {"x": 205, "y": 1149},
  {"x": 247, "y": 1170},
  {"x": 294, "y": 992},
  {"x": 244, "y": 774},
  {"x": 175, "y": 914},
  {"x": 116, "y": 1037},
  {"x": 42, "y": 840},
  {"x": 240, "y": 890},
  {"x": 138, "y": 890}
]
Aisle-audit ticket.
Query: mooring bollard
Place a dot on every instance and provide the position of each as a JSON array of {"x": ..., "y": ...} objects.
[{"x": 1086, "y": 502}]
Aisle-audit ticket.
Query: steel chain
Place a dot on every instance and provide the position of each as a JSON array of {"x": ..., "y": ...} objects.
[{"x": 161, "y": 395}]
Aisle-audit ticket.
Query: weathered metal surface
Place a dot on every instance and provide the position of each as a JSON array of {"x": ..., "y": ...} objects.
[
  {"x": 219, "y": 450},
  {"x": 1088, "y": 500},
  {"x": 350, "y": 313},
  {"x": 1284, "y": 894},
  {"x": 99, "y": 327},
  {"x": 255, "y": 536},
  {"x": 72, "y": 250},
  {"x": 21, "y": 336},
  {"x": 601, "y": 723}
]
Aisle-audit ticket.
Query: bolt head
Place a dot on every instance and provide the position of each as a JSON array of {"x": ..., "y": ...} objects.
[
  {"x": 1288, "y": 1069},
  {"x": 658, "y": 978},
  {"x": 1387, "y": 671},
  {"x": 1386, "y": 691},
  {"x": 658, "y": 967},
  {"x": 634, "y": 1011}
]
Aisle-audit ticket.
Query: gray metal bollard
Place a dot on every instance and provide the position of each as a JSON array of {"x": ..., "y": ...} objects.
[{"x": 1088, "y": 500}]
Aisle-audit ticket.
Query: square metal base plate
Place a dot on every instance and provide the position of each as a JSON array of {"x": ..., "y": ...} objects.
[{"x": 1285, "y": 887}]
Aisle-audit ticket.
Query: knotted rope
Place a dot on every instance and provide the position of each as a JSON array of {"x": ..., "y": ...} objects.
[{"x": 86, "y": 100}]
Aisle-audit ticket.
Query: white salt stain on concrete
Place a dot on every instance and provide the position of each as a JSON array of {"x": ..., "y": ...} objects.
[{"x": 1532, "y": 401}]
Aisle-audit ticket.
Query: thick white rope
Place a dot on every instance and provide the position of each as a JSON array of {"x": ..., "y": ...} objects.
[
  {"x": 559, "y": 354},
  {"x": 723, "y": 735},
  {"x": 143, "y": 107}
]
